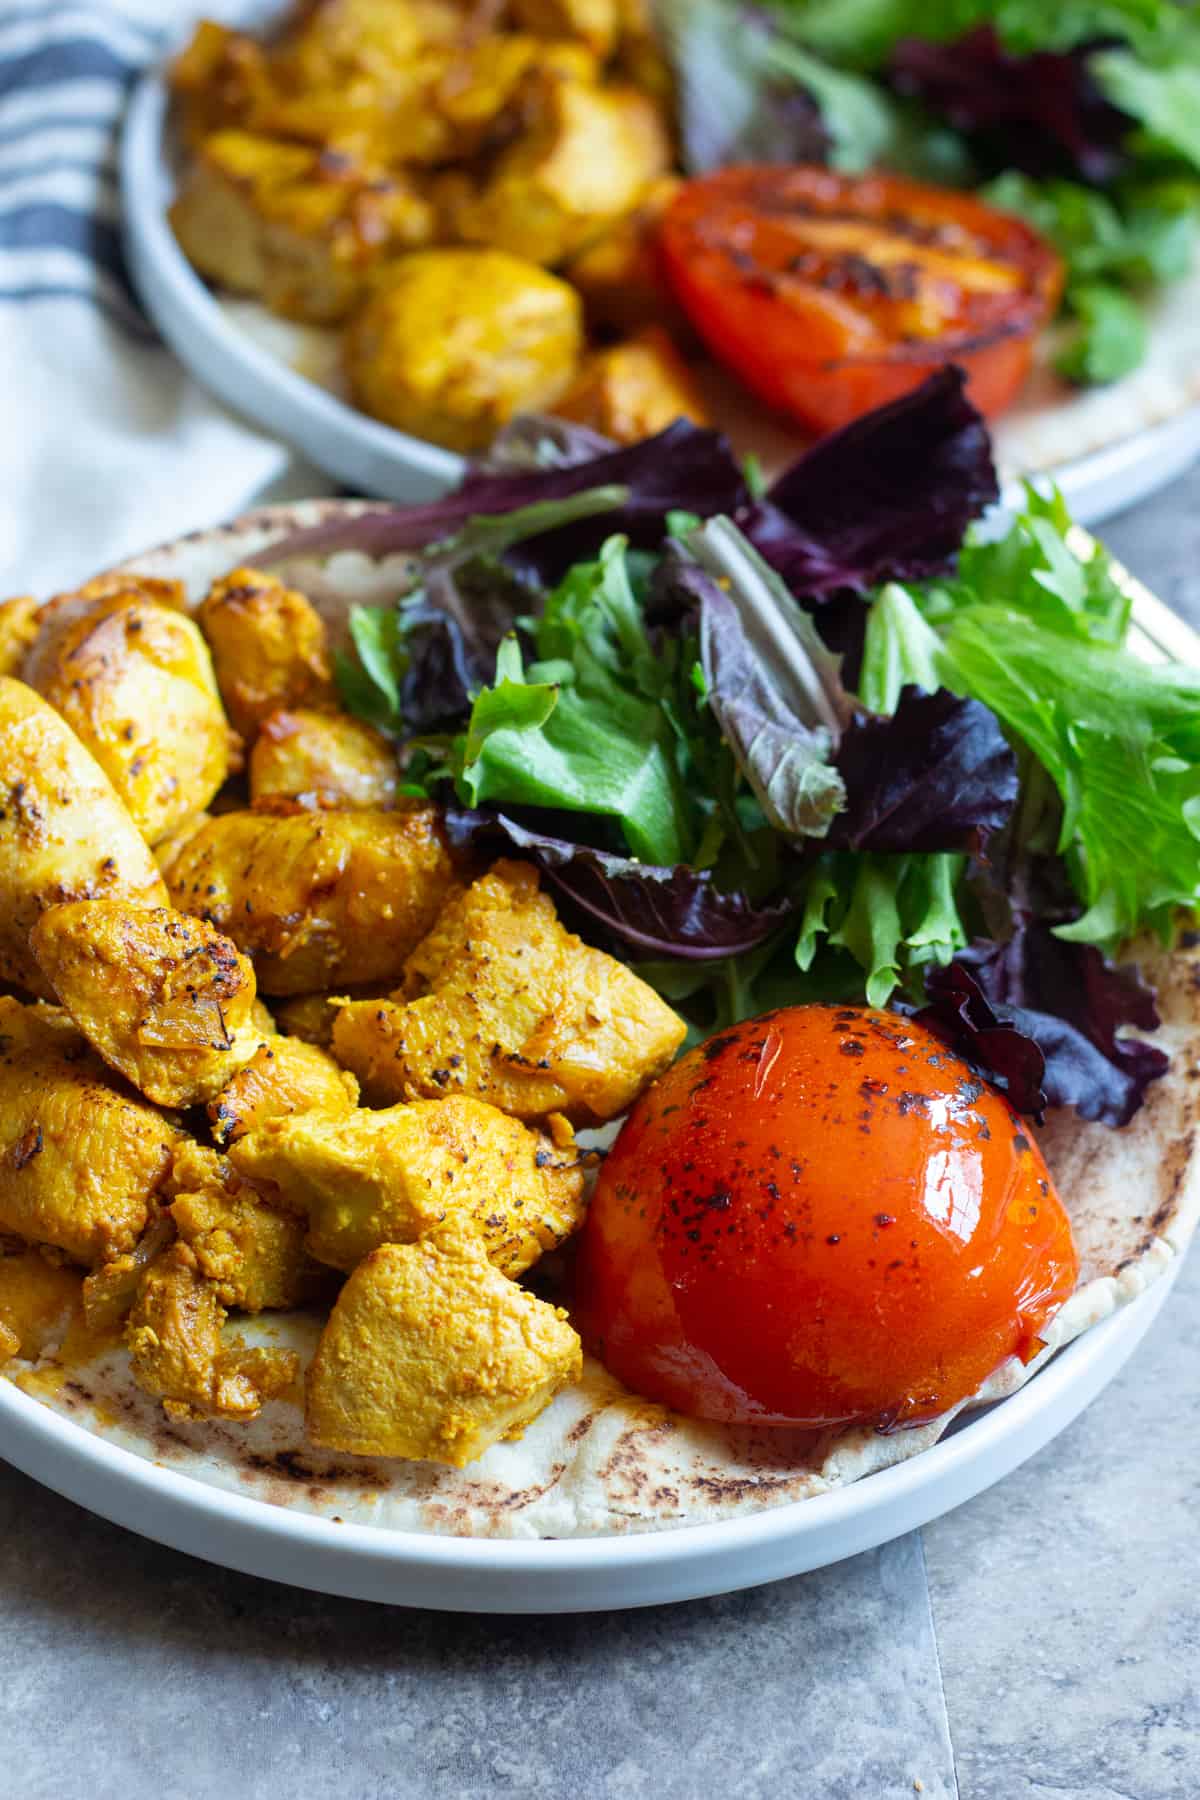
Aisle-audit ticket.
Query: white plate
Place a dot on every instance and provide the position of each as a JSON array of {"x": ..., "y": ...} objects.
[
  {"x": 451, "y": 1574},
  {"x": 203, "y": 1512},
  {"x": 1105, "y": 448}
]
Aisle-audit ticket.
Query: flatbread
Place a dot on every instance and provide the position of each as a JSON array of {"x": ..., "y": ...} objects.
[{"x": 600, "y": 1460}]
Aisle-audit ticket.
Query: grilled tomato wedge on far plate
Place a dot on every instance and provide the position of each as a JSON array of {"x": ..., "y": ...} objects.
[
  {"x": 821, "y": 1216},
  {"x": 830, "y": 294}
]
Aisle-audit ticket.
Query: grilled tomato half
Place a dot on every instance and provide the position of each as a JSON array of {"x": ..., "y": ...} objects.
[
  {"x": 830, "y": 294},
  {"x": 818, "y": 1217}
]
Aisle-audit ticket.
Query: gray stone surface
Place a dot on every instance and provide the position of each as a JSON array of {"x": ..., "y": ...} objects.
[
  {"x": 1067, "y": 1599},
  {"x": 131, "y": 1673}
]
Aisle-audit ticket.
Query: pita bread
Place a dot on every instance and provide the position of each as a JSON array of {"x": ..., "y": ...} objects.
[{"x": 600, "y": 1460}]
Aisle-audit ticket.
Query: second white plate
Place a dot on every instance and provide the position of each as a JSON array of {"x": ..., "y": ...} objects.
[{"x": 1106, "y": 449}]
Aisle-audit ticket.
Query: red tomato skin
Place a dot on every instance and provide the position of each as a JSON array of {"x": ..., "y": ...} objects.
[
  {"x": 820, "y": 1217},
  {"x": 813, "y": 355}
]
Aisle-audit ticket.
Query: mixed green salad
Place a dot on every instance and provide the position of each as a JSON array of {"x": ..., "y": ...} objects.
[
  {"x": 834, "y": 740},
  {"x": 1084, "y": 118}
]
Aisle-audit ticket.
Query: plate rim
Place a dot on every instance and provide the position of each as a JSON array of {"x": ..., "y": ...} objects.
[{"x": 685, "y": 1556}]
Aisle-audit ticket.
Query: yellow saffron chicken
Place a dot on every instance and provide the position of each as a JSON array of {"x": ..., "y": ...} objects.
[
  {"x": 81, "y": 1158},
  {"x": 166, "y": 1000},
  {"x": 425, "y": 177},
  {"x": 317, "y": 898},
  {"x": 64, "y": 831},
  {"x": 269, "y": 647},
  {"x": 132, "y": 676},
  {"x": 284, "y": 1076},
  {"x": 431, "y": 1353},
  {"x": 500, "y": 1001},
  {"x": 369, "y": 1178},
  {"x": 323, "y": 759},
  {"x": 177, "y": 1152}
]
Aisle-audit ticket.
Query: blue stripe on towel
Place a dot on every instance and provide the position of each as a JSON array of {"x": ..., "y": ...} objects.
[{"x": 99, "y": 45}]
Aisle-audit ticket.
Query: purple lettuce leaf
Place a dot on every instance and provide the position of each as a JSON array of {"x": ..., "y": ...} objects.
[
  {"x": 682, "y": 467},
  {"x": 451, "y": 636},
  {"x": 1043, "y": 113},
  {"x": 537, "y": 442},
  {"x": 654, "y": 912},
  {"x": 733, "y": 104},
  {"x": 939, "y": 774},
  {"x": 888, "y": 497},
  {"x": 1042, "y": 1018}
]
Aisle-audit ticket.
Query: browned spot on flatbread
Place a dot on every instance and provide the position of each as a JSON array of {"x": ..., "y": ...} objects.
[{"x": 292, "y": 1465}]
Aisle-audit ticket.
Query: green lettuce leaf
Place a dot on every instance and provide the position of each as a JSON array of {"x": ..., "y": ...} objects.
[
  {"x": 1121, "y": 741},
  {"x": 583, "y": 729},
  {"x": 863, "y": 32},
  {"x": 1165, "y": 100},
  {"x": 1110, "y": 337},
  {"x": 891, "y": 916},
  {"x": 1035, "y": 632}
]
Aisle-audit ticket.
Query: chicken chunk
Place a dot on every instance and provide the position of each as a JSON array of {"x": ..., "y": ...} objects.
[
  {"x": 588, "y": 156},
  {"x": 178, "y": 1355},
  {"x": 18, "y": 628},
  {"x": 368, "y": 1178},
  {"x": 111, "y": 1289},
  {"x": 309, "y": 1017},
  {"x": 480, "y": 91},
  {"x": 330, "y": 42},
  {"x": 64, "y": 833},
  {"x": 221, "y": 78},
  {"x": 297, "y": 226},
  {"x": 250, "y": 1249},
  {"x": 165, "y": 999},
  {"x": 39, "y": 1303},
  {"x": 133, "y": 678},
  {"x": 641, "y": 55},
  {"x": 324, "y": 759},
  {"x": 367, "y": 78},
  {"x": 620, "y": 277},
  {"x": 594, "y": 22},
  {"x": 501, "y": 1002},
  {"x": 431, "y": 1354},
  {"x": 285, "y": 1076},
  {"x": 448, "y": 103},
  {"x": 317, "y": 898},
  {"x": 80, "y": 1160},
  {"x": 451, "y": 343},
  {"x": 269, "y": 646},
  {"x": 631, "y": 391}
]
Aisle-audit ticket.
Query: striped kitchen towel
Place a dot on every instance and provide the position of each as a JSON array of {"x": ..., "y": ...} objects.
[{"x": 106, "y": 446}]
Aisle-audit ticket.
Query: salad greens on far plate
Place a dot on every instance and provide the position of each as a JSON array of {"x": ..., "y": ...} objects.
[
  {"x": 969, "y": 808},
  {"x": 1084, "y": 118}
]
